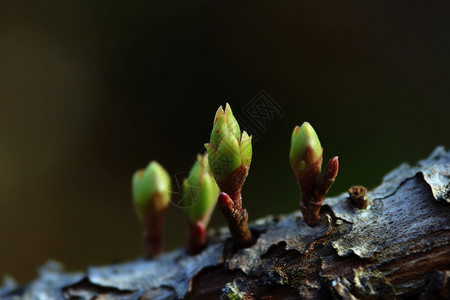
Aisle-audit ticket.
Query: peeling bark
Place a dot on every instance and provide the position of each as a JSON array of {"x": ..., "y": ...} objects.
[{"x": 397, "y": 247}]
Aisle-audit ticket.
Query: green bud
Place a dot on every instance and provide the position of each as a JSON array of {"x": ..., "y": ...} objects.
[
  {"x": 230, "y": 155},
  {"x": 228, "y": 150},
  {"x": 151, "y": 190},
  {"x": 306, "y": 154},
  {"x": 200, "y": 191}
]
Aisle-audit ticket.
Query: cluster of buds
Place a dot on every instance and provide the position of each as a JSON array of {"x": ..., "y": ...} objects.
[
  {"x": 218, "y": 176},
  {"x": 306, "y": 161},
  {"x": 230, "y": 155},
  {"x": 200, "y": 193},
  {"x": 151, "y": 189}
]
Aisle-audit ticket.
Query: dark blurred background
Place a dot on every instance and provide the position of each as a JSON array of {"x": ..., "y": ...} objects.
[{"x": 90, "y": 91}]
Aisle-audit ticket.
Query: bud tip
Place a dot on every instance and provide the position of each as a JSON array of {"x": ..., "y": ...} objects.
[
  {"x": 225, "y": 202},
  {"x": 332, "y": 167}
]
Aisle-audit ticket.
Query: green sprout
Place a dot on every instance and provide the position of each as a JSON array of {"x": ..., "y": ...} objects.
[
  {"x": 306, "y": 161},
  {"x": 151, "y": 188},
  {"x": 200, "y": 193},
  {"x": 230, "y": 155}
]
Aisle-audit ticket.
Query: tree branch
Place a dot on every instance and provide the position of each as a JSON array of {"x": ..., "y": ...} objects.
[{"x": 390, "y": 249}]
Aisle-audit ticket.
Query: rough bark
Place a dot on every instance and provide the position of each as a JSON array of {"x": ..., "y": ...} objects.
[{"x": 398, "y": 247}]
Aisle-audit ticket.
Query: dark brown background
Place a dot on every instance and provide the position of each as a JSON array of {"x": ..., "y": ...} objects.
[{"x": 92, "y": 90}]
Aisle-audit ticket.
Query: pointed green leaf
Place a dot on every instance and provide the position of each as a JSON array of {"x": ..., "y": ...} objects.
[
  {"x": 228, "y": 157},
  {"x": 232, "y": 122},
  {"x": 246, "y": 149}
]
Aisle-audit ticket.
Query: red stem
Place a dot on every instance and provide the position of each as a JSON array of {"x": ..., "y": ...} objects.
[
  {"x": 237, "y": 220},
  {"x": 197, "y": 237},
  {"x": 312, "y": 199},
  {"x": 153, "y": 243}
]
